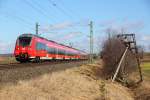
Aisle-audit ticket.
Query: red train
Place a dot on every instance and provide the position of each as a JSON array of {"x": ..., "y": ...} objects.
[{"x": 31, "y": 47}]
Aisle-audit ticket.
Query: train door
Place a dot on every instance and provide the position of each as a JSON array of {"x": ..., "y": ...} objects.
[
  {"x": 57, "y": 53},
  {"x": 41, "y": 50}
]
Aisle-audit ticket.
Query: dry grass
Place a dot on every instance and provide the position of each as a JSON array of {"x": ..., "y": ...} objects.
[
  {"x": 116, "y": 91},
  {"x": 56, "y": 86},
  {"x": 6, "y": 60},
  {"x": 146, "y": 57},
  {"x": 142, "y": 92},
  {"x": 80, "y": 83}
]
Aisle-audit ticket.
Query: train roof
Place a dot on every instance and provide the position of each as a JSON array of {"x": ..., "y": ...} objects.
[{"x": 51, "y": 41}]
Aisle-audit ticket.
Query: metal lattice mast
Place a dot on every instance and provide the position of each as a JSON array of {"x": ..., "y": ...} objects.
[
  {"x": 37, "y": 28},
  {"x": 91, "y": 41}
]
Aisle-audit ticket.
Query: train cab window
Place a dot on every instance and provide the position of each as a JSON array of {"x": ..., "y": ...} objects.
[
  {"x": 40, "y": 46},
  {"x": 24, "y": 41}
]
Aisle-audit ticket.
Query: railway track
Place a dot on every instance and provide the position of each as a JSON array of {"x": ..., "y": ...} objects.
[{"x": 31, "y": 64}]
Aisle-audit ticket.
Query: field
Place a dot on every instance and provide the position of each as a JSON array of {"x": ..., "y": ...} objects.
[
  {"x": 46, "y": 83},
  {"x": 145, "y": 65},
  {"x": 143, "y": 91},
  {"x": 6, "y": 60},
  {"x": 68, "y": 82},
  {"x": 146, "y": 68}
]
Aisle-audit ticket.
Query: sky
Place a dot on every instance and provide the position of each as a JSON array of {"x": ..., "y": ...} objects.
[{"x": 67, "y": 21}]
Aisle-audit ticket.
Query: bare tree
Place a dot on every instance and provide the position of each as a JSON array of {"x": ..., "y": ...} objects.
[
  {"x": 141, "y": 51},
  {"x": 112, "y": 52}
]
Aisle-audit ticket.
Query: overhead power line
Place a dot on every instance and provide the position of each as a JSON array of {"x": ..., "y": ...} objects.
[
  {"x": 72, "y": 12},
  {"x": 60, "y": 9},
  {"x": 18, "y": 19},
  {"x": 38, "y": 9},
  {"x": 45, "y": 11}
]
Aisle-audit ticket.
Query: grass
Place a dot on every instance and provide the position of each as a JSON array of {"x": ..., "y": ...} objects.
[
  {"x": 78, "y": 83},
  {"x": 146, "y": 68},
  {"x": 62, "y": 85},
  {"x": 142, "y": 92},
  {"x": 7, "y": 60}
]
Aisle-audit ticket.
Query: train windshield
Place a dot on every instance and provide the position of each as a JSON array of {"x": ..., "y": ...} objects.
[{"x": 24, "y": 41}]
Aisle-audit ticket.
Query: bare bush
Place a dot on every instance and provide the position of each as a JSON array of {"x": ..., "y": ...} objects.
[
  {"x": 112, "y": 51},
  {"x": 141, "y": 51}
]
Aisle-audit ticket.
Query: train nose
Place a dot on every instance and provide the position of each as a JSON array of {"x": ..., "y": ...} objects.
[
  {"x": 23, "y": 56},
  {"x": 24, "y": 50}
]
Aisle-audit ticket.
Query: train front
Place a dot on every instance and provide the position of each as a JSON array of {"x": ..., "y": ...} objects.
[{"x": 23, "y": 48}]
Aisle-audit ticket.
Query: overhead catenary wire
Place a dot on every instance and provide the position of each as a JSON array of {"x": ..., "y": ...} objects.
[
  {"x": 60, "y": 9},
  {"x": 70, "y": 11},
  {"x": 38, "y": 9},
  {"x": 52, "y": 17},
  {"x": 46, "y": 10},
  {"x": 41, "y": 9},
  {"x": 17, "y": 19}
]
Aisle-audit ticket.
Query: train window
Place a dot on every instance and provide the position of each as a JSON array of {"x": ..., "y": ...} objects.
[
  {"x": 58, "y": 51},
  {"x": 40, "y": 46},
  {"x": 24, "y": 41},
  {"x": 51, "y": 50},
  {"x": 61, "y": 52},
  {"x": 66, "y": 52},
  {"x": 17, "y": 42},
  {"x": 70, "y": 53}
]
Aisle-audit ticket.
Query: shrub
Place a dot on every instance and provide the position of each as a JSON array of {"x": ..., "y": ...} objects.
[{"x": 112, "y": 51}]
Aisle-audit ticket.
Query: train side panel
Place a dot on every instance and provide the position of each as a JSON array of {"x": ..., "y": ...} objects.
[{"x": 43, "y": 49}]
